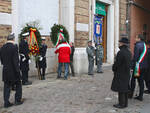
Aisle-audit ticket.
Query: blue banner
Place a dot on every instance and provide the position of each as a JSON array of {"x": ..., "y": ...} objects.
[{"x": 98, "y": 23}]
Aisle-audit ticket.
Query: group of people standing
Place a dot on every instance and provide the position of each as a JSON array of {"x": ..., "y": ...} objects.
[
  {"x": 65, "y": 53},
  {"x": 15, "y": 61},
  {"x": 128, "y": 68},
  {"x": 15, "y": 69}
]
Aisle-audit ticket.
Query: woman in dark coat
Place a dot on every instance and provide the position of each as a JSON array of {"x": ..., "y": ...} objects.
[{"x": 121, "y": 69}]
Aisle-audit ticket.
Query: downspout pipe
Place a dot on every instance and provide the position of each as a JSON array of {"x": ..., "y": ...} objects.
[{"x": 128, "y": 19}]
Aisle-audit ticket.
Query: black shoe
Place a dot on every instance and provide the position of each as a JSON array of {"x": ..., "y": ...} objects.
[
  {"x": 139, "y": 98},
  {"x": 18, "y": 102},
  {"x": 27, "y": 83},
  {"x": 147, "y": 92},
  {"x": 119, "y": 106},
  {"x": 6, "y": 105}
]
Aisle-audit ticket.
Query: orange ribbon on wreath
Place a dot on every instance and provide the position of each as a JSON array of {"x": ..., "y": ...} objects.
[{"x": 33, "y": 44}]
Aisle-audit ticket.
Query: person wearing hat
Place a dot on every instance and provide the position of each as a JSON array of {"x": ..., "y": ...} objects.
[
  {"x": 11, "y": 72},
  {"x": 91, "y": 56},
  {"x": 140, "y": 58},
  {"x": 99, "y": 57},
  {"x": 121, "y": 69},
  {"x": 24, "y": 58},
  {"x": 42, "y": 58}
]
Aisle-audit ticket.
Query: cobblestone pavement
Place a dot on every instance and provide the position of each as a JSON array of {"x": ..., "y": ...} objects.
[{"x": 80, "y": 94}]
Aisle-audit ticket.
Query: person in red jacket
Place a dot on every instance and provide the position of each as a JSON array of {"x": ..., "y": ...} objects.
[{"x": 64, "y": 51}]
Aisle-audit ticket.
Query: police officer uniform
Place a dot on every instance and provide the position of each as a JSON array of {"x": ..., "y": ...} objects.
[
  {"x": 11, "y": 71},
  {"x": 24, "y": 59},
  {"x": 42, "y": 59},
  {"x": 91, "y": 54},
  {"x": 99, "y": 58}
]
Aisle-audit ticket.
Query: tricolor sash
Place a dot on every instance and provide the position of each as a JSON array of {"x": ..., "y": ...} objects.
[
  {"x": 137, "y": 66},
  {"x": 59, "y": 38}
]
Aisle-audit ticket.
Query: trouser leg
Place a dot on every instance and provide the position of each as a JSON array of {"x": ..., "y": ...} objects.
[
  {"x": 43, "y": 73},
  {"x": 121, "y": 99},
  {"x": 6, "y": 92},
  {"x": 66, "y": 69},
  {"x": 141, "y": 86},
  {"x": 24, "y": 76},
  {"x": 132, "y": 86},
  {"x": 126, "y": 99},
  {"x": 99, "y": 66},
  {"x": 18, "y": 94},
  {"x": 147, "y": 85},
  {"x": 72, "y": 68},
  {"x": 59, "y": 69},
  {"x": 91, "y": 66}
]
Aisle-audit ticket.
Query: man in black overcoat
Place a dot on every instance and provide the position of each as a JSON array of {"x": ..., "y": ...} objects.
[
  {"x": 24, "y": 58},
  {"x": 121, "y": 69},
  {"x": 42, "y": 59},
  {"x": 11, "y": 72},
  {"x": 138, "y": 50}
]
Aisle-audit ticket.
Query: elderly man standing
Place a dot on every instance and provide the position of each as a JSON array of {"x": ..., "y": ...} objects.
[
  {"x": 11, "y": 71},
  {"x": 91, "y": 56},
  {"x": 121, "y": 69}
]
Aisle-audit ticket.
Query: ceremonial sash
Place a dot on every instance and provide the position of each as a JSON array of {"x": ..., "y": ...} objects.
[
  {"x": 59, "y": 37},
  {"x": 137, "y": 66}
]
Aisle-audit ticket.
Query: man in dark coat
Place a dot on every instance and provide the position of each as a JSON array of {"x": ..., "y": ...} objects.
[
  {"x": 138, "y": 50},
  {"x": 11, "y": 71},
  {"x": 42, "y": 59},
  {"x": 24, "y": 58},
  {"x": 71, "y": 58},
  {"x": 121, "y": 69}
]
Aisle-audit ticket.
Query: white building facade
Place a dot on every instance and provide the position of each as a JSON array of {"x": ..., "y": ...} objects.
[{"x": 76, "y": 15}]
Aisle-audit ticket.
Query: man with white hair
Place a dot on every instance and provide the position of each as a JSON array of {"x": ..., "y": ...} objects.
[{"x": 11, "y": 71}]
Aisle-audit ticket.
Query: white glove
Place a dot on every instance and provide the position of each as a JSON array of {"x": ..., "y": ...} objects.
[
  {"x": 94, "y": 57},
  {"x": 29, "y": 61},
  {"x": 24, "y": 58},
  {"x": 41, "y": 58}
]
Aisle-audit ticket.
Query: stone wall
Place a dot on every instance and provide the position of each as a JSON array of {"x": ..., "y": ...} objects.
[
  {"x": 81, "y": 16},
  {"x": 4, "y": 31},
  {"x": 5, "y": 7}
]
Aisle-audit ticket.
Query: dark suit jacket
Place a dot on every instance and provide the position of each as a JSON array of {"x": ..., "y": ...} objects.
[
  {"x": 24, "y": 49},
  {"x": 10, "y": 61}
]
